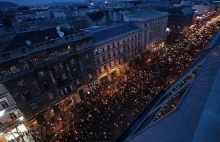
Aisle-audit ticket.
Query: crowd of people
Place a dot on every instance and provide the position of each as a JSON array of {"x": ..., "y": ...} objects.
[{"x": 108, "y": 108}]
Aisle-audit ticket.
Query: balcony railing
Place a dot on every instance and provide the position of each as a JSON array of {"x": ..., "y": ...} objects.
[{"x": 41, "y": 46}]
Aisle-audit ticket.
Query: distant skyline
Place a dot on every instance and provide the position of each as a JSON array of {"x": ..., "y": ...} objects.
[{"x": 36, "y": 2}]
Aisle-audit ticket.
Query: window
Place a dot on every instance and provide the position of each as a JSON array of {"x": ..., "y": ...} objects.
[
  {"x": 125, "y": 58},
  {"x": 33, "y": 106},
  {"x": 113, "y": 53},
  {"x": 98, "y": 61},
  {"x": 50, "y": 95},
  {"x": 12, "y": 116},
  {"x": 131, "y": 37},
  {"x": 72, "y": 61},
  {"x": 113, "y": 44},
  {"x": 128, "y": 40},
  {"x": 124, "y": 48},
  {"x": 55, "y": 68},
  {"x": 124, "y": 41},
  {"x": 135, "y": 36},
  {"x": 52, "y": 56},
  {"x": 103, "y": 58},
  {"x": 109, "y": 55},
  {"x": 4, "y": 73},
  {"x": 41, "y": 74},
  {"x": 118, "y": 43},
  {"x": 35, "y": 61},
  {"x": 61, "y": 66},
  {"x": 103, "y": 49},
  {"x": 145, "y": 25},
  {"x": 90, "y": 76},
  {"x": 27, "y": 95},
  {"x": 21, "y": 83},
  {"x": 119, "y": 51},
  {"x": 110, "y": 65},
  {"x": 13, "y": 69},
  {"x": 108, "y": 47},
  {"x": 105, "y": 68},
  {"x": 96, "y": 52},
  {"x": 78, "y": 82},
  {"x": 86, "y": 56},
  {"x": 139, "y": 35},
  {"x": 4, "y": 104},
  {"x": 74, "y": 70},
  {"x": 128, "y": 47},
  {"x": 64, "y": 76},
  {"x": 100, "y": 70}
]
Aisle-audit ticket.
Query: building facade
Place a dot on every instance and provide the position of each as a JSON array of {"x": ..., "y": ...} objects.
[
  {"x": 113, "y": 47},
  {"x": 153, "y": 26},
  {"x": 40, "y": 68},
  {"x": 179, "y": 19}
]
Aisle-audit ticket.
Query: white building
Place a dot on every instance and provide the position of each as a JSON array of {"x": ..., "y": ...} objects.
[
  {"x": 153, "y": 25},
  {"x": 10, "y": 116},
  {"x": 114, "y": 46}
]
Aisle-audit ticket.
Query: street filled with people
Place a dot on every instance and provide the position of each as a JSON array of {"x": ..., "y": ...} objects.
[{"x": 108, "y": 108}]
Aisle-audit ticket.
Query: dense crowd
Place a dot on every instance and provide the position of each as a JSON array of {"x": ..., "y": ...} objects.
[{"x": 108, "y": 108}]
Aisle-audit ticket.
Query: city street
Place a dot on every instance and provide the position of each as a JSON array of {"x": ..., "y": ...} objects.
[{"x": 109, "y": 108}]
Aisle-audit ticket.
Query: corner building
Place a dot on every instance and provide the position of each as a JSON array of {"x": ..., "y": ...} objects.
[{"x": 40, "y": 68}]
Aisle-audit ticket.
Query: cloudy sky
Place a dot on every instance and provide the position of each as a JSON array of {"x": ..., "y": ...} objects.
[{"x": 32, "y": 2}]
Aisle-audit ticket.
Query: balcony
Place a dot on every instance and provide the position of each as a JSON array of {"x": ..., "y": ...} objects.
[
  {"x": 45, "y": 63},
  {"x": 41, "y": 46}
]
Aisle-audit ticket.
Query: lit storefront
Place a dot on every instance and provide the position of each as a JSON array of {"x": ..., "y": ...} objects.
[{"x": 13, "y": 134}]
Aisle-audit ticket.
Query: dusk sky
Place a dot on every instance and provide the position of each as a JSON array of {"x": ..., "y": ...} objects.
[{"x": 32, "y": 2}]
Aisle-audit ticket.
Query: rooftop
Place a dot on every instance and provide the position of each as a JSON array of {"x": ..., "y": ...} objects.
[
  {"x": 178, "y": 10},
  {"x": 34, "y": 37},
  {"x": 142, "y": 15},
  {"x": 111, "y": 32}
]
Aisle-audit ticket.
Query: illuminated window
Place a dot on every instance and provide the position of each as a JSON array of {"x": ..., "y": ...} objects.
[{"x": 96, "y": 52}]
